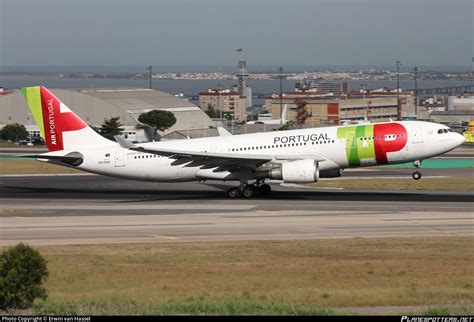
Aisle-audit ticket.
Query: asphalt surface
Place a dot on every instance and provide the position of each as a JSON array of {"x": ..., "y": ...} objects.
[{"x": 82, "y": 209}]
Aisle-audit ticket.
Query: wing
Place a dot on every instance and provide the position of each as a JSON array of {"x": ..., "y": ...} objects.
[{"x": 220, "y": 161}]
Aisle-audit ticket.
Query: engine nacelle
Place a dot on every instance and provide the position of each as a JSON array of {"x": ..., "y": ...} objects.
[
  {"x": 335, "y": 173},
  {"x": 301, "y": 171}
]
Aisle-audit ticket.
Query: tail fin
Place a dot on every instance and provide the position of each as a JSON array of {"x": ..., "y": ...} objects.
[{"x": 61, "y": 128}]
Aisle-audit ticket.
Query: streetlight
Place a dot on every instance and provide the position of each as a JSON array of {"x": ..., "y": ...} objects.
[
  {"x": 281, "y": 93},
  {"x": 364, "y": 89},
  {"x": 30, "y": 127},
  {"x": 398, "y": 63},
  {"x": 150, "y": 75},
  {"x": 219, "y": 100},
  {"x": 416, "y": 91}
]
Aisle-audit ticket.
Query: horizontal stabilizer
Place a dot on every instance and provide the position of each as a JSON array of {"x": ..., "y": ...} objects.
[{"x": 72, "y": 158}]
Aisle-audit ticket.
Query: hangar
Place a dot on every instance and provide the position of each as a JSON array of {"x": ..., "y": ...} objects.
[{"x": 94, "y": 105}]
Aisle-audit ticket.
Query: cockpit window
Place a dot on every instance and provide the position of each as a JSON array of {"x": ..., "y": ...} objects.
[{"x": 440, "y": 131}]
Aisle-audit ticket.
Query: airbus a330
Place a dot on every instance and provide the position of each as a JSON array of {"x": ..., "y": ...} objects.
[{"x": 295, "y": 156}]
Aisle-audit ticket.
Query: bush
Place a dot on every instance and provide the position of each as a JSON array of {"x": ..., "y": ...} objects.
[
  {"x": 14, "y": 132},
  {"x": 22, "y": 271}
]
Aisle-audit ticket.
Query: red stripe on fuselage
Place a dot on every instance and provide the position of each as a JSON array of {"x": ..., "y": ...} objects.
[{"x": 384, "y": 144}]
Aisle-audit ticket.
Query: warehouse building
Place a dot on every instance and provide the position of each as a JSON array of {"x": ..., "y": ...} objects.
[{"x": 96, "y": 105}]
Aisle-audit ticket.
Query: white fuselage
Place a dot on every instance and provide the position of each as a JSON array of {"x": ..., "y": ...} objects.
[{"x": 341, "y": 147}]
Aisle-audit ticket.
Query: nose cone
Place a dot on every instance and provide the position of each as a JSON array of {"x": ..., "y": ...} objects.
[{"x": 459, "y": 139}]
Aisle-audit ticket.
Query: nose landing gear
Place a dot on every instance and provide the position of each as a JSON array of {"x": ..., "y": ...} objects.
[{"x": 417, "y": 174}]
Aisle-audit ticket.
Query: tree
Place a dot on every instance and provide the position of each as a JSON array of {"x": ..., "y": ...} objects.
[
  {"x": 110, "y": 128},
  {"x": 14, "y": 132},
  {"x": 22, "y": 271},
  {"x": 290, "y": 125},
  {"x": 157, "y": 119},
  {"x": 211, "y": 112}
]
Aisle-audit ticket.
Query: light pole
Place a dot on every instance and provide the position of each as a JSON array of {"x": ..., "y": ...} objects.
[
  {"x": 30, "y": 128},
  {"x": 398, "y": 63},
  {"x": 416, "y": 91},
  {"x": 281, "y": 93},
  {"x": 364, "y": 89},
  {"x": 150, "y": 68},
  {"x": 219, "y": 101}
]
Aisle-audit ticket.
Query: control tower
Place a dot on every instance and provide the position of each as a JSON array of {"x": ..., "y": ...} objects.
[{"x": 242, "y": 75}]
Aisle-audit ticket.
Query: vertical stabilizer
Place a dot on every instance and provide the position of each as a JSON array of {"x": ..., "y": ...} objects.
[{"x": 61, "y": 128}]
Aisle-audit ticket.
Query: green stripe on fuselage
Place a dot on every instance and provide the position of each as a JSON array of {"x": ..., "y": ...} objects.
[
  {"x": 365, "y": 146},
  {"x": 33, "y": 99},
  {"x": 357, "y": 149}
]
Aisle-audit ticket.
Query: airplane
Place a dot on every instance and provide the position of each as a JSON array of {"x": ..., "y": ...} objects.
[{"x": 294, "y": 156}]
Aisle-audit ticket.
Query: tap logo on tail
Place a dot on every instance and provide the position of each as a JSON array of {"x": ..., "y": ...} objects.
[{"x": 52, "y": 116}]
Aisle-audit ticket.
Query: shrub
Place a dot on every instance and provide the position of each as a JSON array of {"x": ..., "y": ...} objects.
[
  {"x": 22, "y": 271},
  {"x": 14, "y": 132}
]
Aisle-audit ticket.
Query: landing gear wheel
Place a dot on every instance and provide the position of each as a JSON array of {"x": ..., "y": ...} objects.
[
  {"x": 416, "y": 175},
  {"x": 248, "y": 192},
  {"x": 265, "y": 189},
  {"x": 234, "y": 192}
]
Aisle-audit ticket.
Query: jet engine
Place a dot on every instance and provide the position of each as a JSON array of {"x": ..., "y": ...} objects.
[
  {"x": 334, "y": 173},
  {"x": 301, "y": 171}
]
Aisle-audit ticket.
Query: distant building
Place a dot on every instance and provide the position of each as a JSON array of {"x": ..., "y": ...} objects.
[
  {"x": 461, "y": 103},
  {"x": 225, "y": 100},
  {"x": 96, "y": 105},
  {"x": 319, "y": 111},
  {"x": 407, "y": 99},
  {"x": 337, "y": 88},
  {"x": 453, "y": 116}
]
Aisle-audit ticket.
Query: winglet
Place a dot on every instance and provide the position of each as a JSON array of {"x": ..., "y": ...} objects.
[
  {"x": 124, "y": 143},
  {"x": 223, "y": 132}
]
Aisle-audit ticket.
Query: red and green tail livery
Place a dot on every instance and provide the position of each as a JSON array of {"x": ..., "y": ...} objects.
[{"x": 54, "y": 119}]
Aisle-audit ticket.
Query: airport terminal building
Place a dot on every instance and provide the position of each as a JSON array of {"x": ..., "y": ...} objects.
[{"x": 97, "y": 104}]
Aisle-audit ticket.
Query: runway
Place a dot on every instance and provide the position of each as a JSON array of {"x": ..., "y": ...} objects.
[{"x": 95, "y": 209}]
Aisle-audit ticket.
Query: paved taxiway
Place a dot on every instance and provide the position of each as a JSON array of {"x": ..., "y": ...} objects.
[{"x": 81, "y": 209}]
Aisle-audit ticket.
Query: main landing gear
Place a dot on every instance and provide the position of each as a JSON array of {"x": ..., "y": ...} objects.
[
  {"x": 250, "y": 190},
  {"x": 417, "y": 174}
]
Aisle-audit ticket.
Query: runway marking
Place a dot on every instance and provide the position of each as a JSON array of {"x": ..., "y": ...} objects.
[
  {"x": 294, "y": 185},
  {"x": 138, "y": 207},
  {"x": 47, "y": 175},
  {"x": 401, "y": 176},
  {"x": 427, "y": 219},
  {"x": 161, "y": 236}
]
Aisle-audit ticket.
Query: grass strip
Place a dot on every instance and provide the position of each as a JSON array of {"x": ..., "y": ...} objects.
[
  {"x": 460, "y": 184},
  {"x": 259, "y": 277}
]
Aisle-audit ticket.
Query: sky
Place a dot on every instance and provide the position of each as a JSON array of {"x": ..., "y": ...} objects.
[{"x": 208, "y": 32}]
